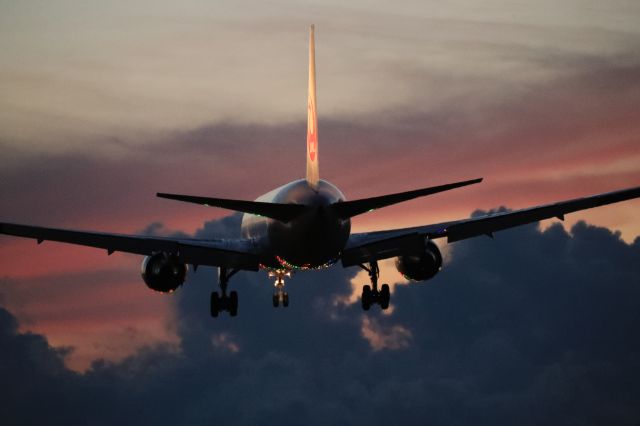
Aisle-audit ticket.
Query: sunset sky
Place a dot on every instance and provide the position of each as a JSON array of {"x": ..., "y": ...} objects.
[{"x": 103, "y": 104}]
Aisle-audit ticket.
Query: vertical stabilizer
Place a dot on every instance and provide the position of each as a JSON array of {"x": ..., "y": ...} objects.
[{"x": 313, "y": 173}]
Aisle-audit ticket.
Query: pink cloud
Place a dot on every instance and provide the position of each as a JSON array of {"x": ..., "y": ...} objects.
[{"x": 568, "y": 138}]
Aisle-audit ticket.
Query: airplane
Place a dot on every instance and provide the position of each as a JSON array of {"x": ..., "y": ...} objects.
[{"x": 305, "y": 225}]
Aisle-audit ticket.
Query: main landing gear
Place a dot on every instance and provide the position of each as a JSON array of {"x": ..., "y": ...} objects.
[
  {"x": 371, "y": 294},
  {"x": 279, "y": 295},
  {"x": 221, "y": 303}
]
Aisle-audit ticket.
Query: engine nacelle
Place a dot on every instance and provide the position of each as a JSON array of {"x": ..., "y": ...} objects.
[
  {"x": 163, "y": 272},
  {"x": 422, "y": 266}
]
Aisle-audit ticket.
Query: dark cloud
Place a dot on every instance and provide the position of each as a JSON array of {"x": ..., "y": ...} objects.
[{"x": 529, "y": 328}]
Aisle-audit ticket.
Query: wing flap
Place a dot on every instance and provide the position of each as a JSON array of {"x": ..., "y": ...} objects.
[
  {"x": 210, "y": 253},
  {"x": 213, "y": 256},
  {"x": 383, "y": 248}
]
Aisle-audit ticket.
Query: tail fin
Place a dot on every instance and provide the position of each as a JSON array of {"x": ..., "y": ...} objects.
[{"x": 313, "y": 173}]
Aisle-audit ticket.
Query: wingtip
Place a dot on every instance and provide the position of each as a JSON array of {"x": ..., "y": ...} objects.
[{"x": 164, "y": 195}]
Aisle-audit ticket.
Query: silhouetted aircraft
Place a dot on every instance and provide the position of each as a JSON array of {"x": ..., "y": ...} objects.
[{"x": 305, "y": 225}]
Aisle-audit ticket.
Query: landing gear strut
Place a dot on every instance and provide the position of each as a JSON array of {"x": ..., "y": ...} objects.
[
  {"x": 279, "y": 295},
  {"x": 371, "y": 294},
  {"x": 220, "y": 303}
]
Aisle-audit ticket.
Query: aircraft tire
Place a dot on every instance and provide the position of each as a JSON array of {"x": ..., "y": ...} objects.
[
  {"x": 366, "y": 297},
  {"x": 233, "y": 303},
  {"x": 385, "y": 296},
  {"x": 276, "y": 300},
  {"x": 215, "y": 304},
  {"x": 285, "y": 299}
]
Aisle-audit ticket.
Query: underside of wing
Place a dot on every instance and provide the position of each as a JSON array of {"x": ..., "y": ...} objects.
[
  {"x": 364, "y": 248},
  {"x": 235, "y": 254},
  {"x": 371, "y": 246}
]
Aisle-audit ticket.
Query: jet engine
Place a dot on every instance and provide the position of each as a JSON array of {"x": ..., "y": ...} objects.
[
  {"x": 163, "y": 272},
  {"x": 421, "y": 266}
]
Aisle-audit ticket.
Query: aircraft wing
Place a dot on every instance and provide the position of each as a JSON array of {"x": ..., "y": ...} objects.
[
  {"x": 370, "y": 246},
  {"x": 227, "y": 253}
]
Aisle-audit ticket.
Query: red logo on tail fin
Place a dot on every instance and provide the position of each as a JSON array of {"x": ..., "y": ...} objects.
[{"x": 312, "y": 139}]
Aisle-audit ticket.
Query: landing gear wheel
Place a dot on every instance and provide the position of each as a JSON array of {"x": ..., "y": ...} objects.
[
  {"x": 370, "y": 293},
  {"x": 366, "y": 297},
  {"x": 280, "y": 297},
  {"x": 220, "y": 302},
  {"x": 385, "y": 295},
  {"x": 215, "y": 304},
  {"x": 233, "y": 303}
]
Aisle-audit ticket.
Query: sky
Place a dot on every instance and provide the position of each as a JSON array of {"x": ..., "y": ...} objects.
[{"x": 106, "y": 103}]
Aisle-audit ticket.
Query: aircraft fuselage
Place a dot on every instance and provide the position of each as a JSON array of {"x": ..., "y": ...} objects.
[{"x": 312, "y": 240}]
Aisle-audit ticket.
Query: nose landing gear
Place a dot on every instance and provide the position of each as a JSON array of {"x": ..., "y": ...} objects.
[
  {"x": 221, "y": 303},
  {"x": 370, "y": 293},
  {"x": 280, "y": 296}
]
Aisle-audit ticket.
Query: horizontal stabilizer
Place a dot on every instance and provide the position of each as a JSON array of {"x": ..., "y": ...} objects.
[
  {"x": 349, "y": 209},
  {"x": 282, "y": 212}
]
